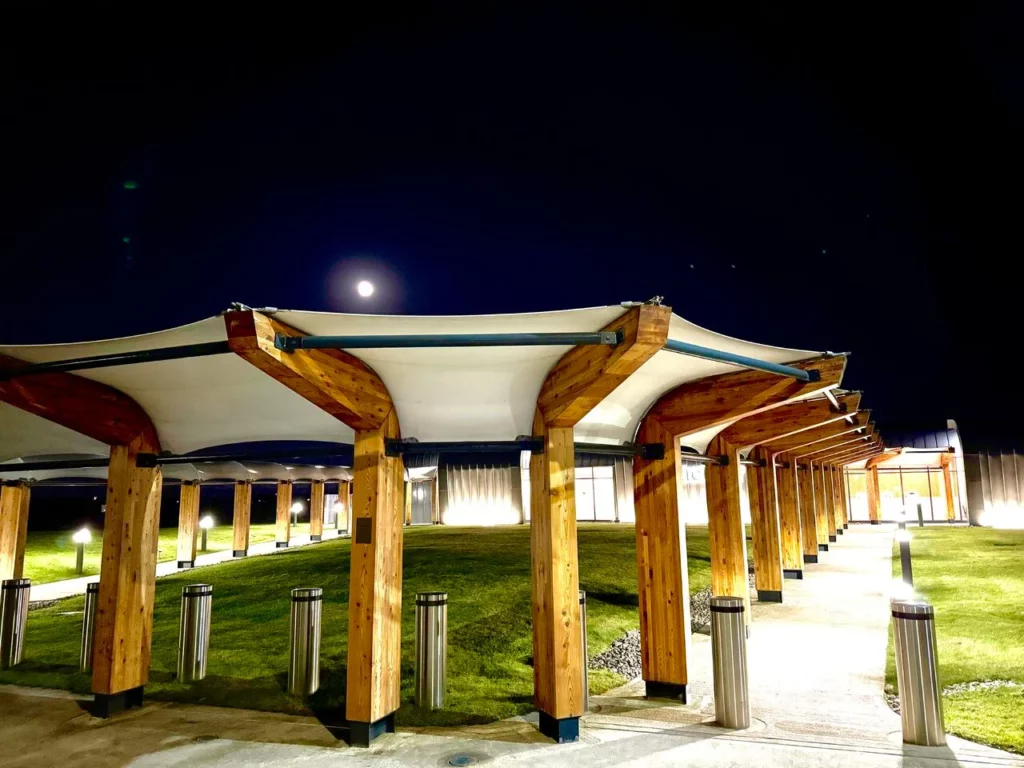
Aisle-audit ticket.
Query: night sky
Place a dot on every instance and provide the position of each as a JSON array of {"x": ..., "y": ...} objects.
[{"x": 797, "y": 177}]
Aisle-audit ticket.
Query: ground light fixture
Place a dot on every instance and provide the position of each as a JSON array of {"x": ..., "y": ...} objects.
[
  {"x": 296, "y": 511},
  {"x": 903, "y": 539},
  {"x": 81, "y": 537},
  {"x": 205, "y": 525}
]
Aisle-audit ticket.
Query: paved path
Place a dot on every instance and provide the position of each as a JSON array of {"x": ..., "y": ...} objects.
[
  {"x": 55, "y": 590},
  {"x": 816, "y": 675}
]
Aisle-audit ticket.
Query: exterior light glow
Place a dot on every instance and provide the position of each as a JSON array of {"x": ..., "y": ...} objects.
[
  {"x": 297, "y": 508},
  {"x": 206, "y": 523},
  {"x": 901, "y": 590},
  {"x": 82, "y": 536},
  {"x": 252, "y": 471},
  {"x": 364, "y": 288},
  {"x": 902, "y": 535},
  {"x": 318, "y": 466}
]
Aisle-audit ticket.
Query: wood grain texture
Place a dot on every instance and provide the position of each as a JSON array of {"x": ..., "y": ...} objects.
[
  {"x": 820, "y": 509},
  {"x": 375, "y": 579},
  {"x": 809, "y": 532},
  {"x": 947, "y": 480},
  {"x": 719, "y": 400},
  {"x": 407, "y": 502},
  {"x": 242, "y": 510},
  {"x": 883, "y": 457},
  {"x": 586, "y": 375},
  {"x": 85, "y": 406},
  {"x": 316, "y": 508},
  {"x": 837, "y": 496},
  {"x": 874, "y": 498},
  {"x": 854, "y": 454},
  {"x": 124, "y": 609},
  {"x": 335, "y": 381},
  {"x": 790, "y": 527},
  {"x": 725, "y": 525},
  {"x": 663, "y": 583},
  {"x": 14, "y": 503},
  {"x": 764, "y": 518},
  {"x": 555, "y": 566},
  {"x": 188, "y": 521},
  {"x": 815, "y": 450},
  {"x": 837, "y": 453},
  {"x": 788, "y": 420},
  {"x": 283, "y": 518},
  {"x": 827, "y": 500},
  {"x": 828, "y": 431}
]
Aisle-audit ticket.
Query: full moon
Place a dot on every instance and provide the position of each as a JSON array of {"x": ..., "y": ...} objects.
[{"x": 365, "y": 288}]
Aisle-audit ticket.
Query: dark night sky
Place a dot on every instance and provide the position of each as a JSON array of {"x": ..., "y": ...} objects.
[{"x": 844, "y": 182}]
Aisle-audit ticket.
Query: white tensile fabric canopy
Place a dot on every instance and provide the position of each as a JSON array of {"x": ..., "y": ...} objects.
[{"x": 447, "y": 394}]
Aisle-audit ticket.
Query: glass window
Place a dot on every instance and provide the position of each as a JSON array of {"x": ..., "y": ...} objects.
[
  {"x": 604, "y": 498},
  {"x": 890, "y": 493},
  {"x": 857, "y": 491}
]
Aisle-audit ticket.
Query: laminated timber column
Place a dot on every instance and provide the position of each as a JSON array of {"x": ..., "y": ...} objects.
[
  {"x": 242, "y": 511},
  {"x": 844, "y": 499},
  {"x": 14, "y": 501},
  {"x": 407, "y": 502},
  {"x": 283, "y": 527},
  {"x": 820, "y": 510},
  {"x": 827, "y": 501},
  {"x": 947, "y": 479},
  {"x": 790, "y": 524},
  {"x": 764, "y": 515},
  {"x": 837, "y": 498},
  {"x": 188, "y": 523},
  {"x": 871, "y": 480},
  {"x": 345, "y": 387},
  {"x": 580, "y": 380},
  {"x": 727, "y": 538},
  {"x": 808, "y": 518},
  {"x": 316, "y": 510},
  {"x": 124, "y": 609}
]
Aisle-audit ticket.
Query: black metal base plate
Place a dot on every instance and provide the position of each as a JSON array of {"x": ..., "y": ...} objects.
[
  {"x": 315, "y": 537},
  {"x": 810, "y": 558},
  {"x": 281, "y": 544},
  {"x": 107, "y": 704},
  {"x": 795, "y": 573},
  {"x": 561, "y": 730},
  {"x": 674, "y": 691},
  {"x": 831, "y": 539},
  {"x": 840, "y": 531},
  {"x": 239, "y": 552},
  {"x": 823, "y": 547},
  {"x": 874, "y": 522},
  {"x": 185, "y": 564},
  {"x": 769, "y": 595},
  {"x": 363, "y": 734},
  {"x": 845, "y": 526}
]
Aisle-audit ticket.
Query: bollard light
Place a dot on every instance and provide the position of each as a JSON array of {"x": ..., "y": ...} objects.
[
  {"x": 902, "y": 535},
  {"x": 296, "y": 511},
  {"x": 81, "y": 537},
  {"x": 903, "y": 538},
  {"x": 205, "y": 524},
  {"x": 338, "y": 509}
]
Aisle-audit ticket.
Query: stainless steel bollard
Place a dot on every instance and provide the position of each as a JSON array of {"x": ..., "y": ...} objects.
[
  {"x": 585, "y": 682},
  {"x": 194, "y": 632},
  {"x": 304, "y": 667},
  {"x": 729, "y": 657},
  {"x": 917, "y": 673},
  {"x": 431, "y": 648},
  {"x": 92, "y": 596},
  {"x": 13, "y": 616}
]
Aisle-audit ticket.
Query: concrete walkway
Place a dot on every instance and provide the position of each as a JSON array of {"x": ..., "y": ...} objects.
[
  {"x": 56, "y": 590},
  {"x": 816, "y": 676}
]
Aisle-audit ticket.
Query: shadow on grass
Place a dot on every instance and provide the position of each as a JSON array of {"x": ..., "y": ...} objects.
[{"x": 630, "y": 599}]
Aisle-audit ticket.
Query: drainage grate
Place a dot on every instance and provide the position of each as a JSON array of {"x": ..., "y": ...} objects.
[{"x": 461, "y": 760}]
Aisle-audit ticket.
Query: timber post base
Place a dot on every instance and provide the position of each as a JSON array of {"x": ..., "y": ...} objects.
[
  {"x": 108, "y": 704},
  {"x": 823, "y": 547},
  {"x": 562, "y": 730},
  {"x": 795, "y": 573},
  {"x": 846, "y": 526},
  {"x": 839, "y": 531},
  {"x": 186, "y": 564},
  {"x": 363, "y": 734},
  {"x": 280, "y": 545},
  {"x": 810, "y": 558},
  {"x": 831, "y": 539},
  {"x": 673, "y": 691},
  {"x": 874, "y": 522},
  {"x": 239, "y": 553},
  {"x": 315, "y": 537},
  {"x": 769, "y": 595}
]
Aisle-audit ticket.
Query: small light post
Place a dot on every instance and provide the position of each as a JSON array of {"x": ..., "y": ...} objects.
[
  {"x": 338, "y": 509},
  {"x": 903, "y": 537},
  {"x": 205, "y": 525},
  {"x": 81, "y": 537},
  {"x": 296, "y": 511}
]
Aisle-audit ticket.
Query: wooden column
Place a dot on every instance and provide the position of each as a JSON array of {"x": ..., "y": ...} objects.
[
  {"x": 728, "y": 540},
  {"x": 14, "y": 501},
  {"x": 832, "y": 484},
  {"x": 808, "y": 516},
  {"x": 407, "y": 502},
  {"x": 124, "y": 609},
  {"x": 844, "y": 499},
  {"x": 316, "y": 510},
  {"x": 435, "y": 502},
  {"x": 663, "y": 582},
  {"x": 874, "y": 500},
  {"x": 375, "y": 587},
  {"x": 790, "y": 525},
  {"x": 827, "y": 500},
  {"x": 947, "y": 480},
  {"x": 188, "y": 523},
  {"x": 764, "y": 514},
  {"x": 820, "y": 510},
  {"x": 282, "y": 531},
  {"x": 240, "y": 519}
]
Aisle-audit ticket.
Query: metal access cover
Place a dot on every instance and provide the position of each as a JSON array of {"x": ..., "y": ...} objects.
[{"x": 461, "y": 760}]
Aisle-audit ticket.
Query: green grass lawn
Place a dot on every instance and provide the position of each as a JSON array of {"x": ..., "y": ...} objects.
[
  {"x": 486, "y": 572},
  {"x": 975, "y": 579},
  {"x": 50, "y": 555}
]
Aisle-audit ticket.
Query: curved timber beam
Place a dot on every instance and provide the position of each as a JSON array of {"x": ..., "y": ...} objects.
[
  {"x": 883, "y": 457},
  {"x": 579, "y": 381},
  {"x": 818, "y": 434},
  {"x": 789, "y": 420},
  {"x": 348, "y": 389}
]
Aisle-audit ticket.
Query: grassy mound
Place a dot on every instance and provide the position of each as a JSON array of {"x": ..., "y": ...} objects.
[
  {"x": 975, "y": 579},
  {"x": 486, "y": 572}
]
